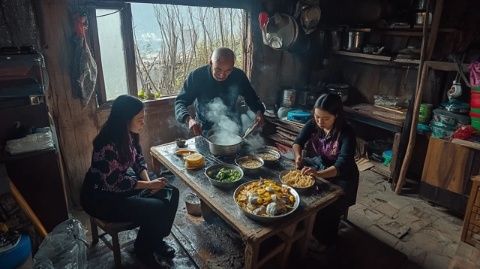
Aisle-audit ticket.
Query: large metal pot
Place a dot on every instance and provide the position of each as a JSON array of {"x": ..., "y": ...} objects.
[{"x": 219, "y": 148}]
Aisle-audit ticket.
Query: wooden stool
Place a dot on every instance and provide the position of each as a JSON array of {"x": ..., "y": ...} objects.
[{"x": 111, "y": 228}]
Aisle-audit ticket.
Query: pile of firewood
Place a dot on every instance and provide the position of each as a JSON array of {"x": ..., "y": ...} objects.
[{"x": 281, "y": 131}]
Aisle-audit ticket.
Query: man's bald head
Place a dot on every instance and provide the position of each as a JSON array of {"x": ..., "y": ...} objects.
[
  {"x": 222, "y": 62},
  {"x": 222, "y": 54}
]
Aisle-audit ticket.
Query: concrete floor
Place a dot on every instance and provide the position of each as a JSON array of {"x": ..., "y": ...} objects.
[
  {"x": 432, "y": 238},
  {"x": 429, "y": 237}
]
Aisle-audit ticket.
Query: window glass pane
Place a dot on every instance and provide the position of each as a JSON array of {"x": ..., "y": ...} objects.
[
  {"x": 112, "y": 52},
  {"x": 172, "y": 40}
]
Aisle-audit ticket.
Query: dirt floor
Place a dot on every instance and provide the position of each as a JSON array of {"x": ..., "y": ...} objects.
[{"x": 383, "y": 230}]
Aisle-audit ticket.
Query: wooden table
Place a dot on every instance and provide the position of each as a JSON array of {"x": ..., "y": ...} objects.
[{"x": 263, "y": 242}]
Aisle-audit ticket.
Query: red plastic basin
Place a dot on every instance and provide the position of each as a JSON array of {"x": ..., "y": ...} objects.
[
  {"x": 475, "y": 99},
  {"x": 474, "y": 115}
]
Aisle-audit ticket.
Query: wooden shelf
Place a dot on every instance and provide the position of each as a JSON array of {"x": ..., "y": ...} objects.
[
  {"x": 445, "y": 66},
  {"x": 413, "y": 31},
  {"x": 466, "y": 143},
  {"x": 391, "y": 61},
  {"x": 416, "y": 31},
  {"x": 376, "y": 59},
  {"x": 363, "y": 55},
  {"x": 7, "y": 157},
  {"x": 373, "y": 120}
]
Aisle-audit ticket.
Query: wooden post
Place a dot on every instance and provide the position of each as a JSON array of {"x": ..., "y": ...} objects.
[
  {"x": 437, "y": 14},
  {"x": 289, "y": 233},
  {"x": 28, "y": 210},
  {"x": 426, "y": 53},
  {"x": 251, "y": 254},
  {"x": 309, "y": 223},
  {"x": 402, "y": 153},
  {"x": 413, "y": 130}
]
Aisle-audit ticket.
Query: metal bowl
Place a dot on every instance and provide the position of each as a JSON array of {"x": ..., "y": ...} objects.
[
  {"x": 181, "y": 143},
  {"x": 267, "y": 219},
  {"x": 221, "y": 149},
  {"x": 247, "y": 170},
  {"x": 298, "y": 189},
  {"x": 211, "y": 171},
  {"x": 271, "y": 151}
]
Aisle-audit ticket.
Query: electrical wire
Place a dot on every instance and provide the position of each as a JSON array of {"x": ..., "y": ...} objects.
[{"x": 108, "y": 14}]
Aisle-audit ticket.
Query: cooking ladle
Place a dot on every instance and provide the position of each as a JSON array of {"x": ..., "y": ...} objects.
[{"x": 250, "y": 129}]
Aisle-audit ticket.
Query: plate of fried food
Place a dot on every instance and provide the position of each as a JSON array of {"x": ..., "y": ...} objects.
[
  {"x": 266, "y": 200},
  {"x": 300, "y": 182}
]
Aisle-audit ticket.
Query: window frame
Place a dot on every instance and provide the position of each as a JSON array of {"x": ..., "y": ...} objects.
[
  {"x": 129, "y": 44},
  {"x": 128, "y": 48}
]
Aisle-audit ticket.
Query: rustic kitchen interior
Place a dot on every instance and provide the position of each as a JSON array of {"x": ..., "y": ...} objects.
[{"x": 407, "y": 73}]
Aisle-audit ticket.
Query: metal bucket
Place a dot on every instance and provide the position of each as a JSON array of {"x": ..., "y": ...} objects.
[
  {"x": 288, "y": 99},
  {"x": 192, "y": 203}
]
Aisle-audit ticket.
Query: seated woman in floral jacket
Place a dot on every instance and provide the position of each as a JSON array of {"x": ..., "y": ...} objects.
[{"x": 117, "y": 187}]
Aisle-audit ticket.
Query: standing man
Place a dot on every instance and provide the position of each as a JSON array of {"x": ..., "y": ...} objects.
[{"x": 218, "y": 79}]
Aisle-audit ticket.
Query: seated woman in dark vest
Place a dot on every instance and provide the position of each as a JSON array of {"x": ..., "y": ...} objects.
[
  {"x": 117, "y": 187},
  {"x": 329, "y": 144}
]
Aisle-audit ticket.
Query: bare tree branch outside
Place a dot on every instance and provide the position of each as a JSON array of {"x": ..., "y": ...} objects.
[{"x": 175, "y": 40}]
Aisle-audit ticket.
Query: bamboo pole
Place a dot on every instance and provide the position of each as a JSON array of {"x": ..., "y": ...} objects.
[
  {"x": 427, "y": 50},
  {"x": 416, "y": 107},
  {"x": 27, "y": 209},
  {"x": 435, "y": 26},
  {"x": 413, "y": 131}
]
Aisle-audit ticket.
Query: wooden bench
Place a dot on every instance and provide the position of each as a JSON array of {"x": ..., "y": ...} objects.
[{"x": 112, "y": 229}]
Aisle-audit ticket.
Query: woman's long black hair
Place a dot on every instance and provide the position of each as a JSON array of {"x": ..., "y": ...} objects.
[
  {"x": 332, "y": 103},
  {"x": 116, "y": 128}
]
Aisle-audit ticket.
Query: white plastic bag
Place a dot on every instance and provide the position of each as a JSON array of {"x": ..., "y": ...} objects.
[
  {"x": 32, "y": 142},
  {"x": 64, "y": 247}
]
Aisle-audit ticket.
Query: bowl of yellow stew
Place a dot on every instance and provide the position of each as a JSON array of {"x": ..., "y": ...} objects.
[
  {"x": 250, "y": 164},
  {"x": 269, "y": 155}
]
